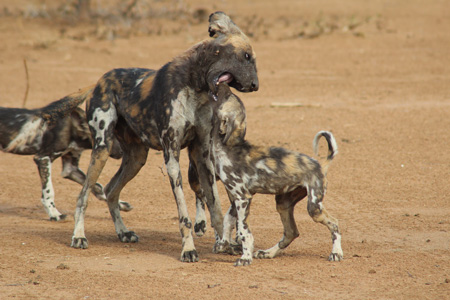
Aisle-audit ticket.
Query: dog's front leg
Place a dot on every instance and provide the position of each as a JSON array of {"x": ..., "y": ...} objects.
[
  {"x": 199, "y": 153},
  {"x": 226, "y": 245},
  {"x": 44, "y": 164},
  {"x": 200, "y": 200},
  {"x": 171, "y": 158},
  {"x": 244, "y": 234}
]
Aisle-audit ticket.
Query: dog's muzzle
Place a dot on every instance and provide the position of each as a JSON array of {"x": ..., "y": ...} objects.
[{"x": 254, "y": 86}]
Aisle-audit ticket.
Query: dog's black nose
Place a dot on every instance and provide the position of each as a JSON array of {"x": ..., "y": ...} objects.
[{"x": 255, "y": 86}]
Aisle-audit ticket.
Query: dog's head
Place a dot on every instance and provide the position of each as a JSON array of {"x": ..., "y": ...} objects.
[
  {"x": 231, "y": 56},
  {"x": 231, "y": 117}
]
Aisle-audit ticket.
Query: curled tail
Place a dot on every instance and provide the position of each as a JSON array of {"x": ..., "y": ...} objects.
[
  {"x": 63, "y": 107},
  {"x": 332, "y": 148}
]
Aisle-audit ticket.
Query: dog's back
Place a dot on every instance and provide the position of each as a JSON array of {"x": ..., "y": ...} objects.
[{"x": 24, "y": 131}]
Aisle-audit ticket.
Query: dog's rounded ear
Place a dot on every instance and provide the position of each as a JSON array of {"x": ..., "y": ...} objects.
[
  {"x": 227, "y": 128},
  {"x": 223, "y": 126},
  {"x": 221, "y": 24}
]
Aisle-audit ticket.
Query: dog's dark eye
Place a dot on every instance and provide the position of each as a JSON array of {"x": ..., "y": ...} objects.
[{"x": 247, "y": 56}]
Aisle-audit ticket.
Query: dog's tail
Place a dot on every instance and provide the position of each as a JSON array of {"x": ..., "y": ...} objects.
[
  {"x": 63, "y": 107},
  {"x": 332, "y": 148}
]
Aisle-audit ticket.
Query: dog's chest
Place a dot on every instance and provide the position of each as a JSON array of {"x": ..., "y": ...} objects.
[
  {"x": 182, "y": 116},
  {"x": 233, "y": 171}
]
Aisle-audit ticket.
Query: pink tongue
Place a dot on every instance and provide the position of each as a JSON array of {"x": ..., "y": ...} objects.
[{"x": 225, "y": 78}]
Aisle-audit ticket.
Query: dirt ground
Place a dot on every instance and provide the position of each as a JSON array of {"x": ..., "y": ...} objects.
[{"x": 375, "y": 73}]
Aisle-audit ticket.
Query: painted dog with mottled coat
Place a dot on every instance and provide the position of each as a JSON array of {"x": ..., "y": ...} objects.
[
  {"x": 247, "y": 169},
  {"x": 56, "y": 130},
  {"x": 166, "y": 109}
]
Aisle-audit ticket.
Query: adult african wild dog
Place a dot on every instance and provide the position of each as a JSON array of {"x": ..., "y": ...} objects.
[
  {"x": 167, "y": 110},
  {"x": 56, "y": 130},
  {"x": 246, "y": 169}
]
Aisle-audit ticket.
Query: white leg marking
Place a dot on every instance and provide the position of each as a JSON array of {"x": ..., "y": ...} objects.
[
  {"x": 336, "y": 252},
  {"x": 229, "y": 222},
  {"x": 48, "y": 193},
  {"x": 244, "y": 234},
  {"x": 200, "y": 216}
]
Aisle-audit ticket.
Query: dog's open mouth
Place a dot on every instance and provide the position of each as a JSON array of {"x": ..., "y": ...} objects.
[
  {"x": 225, "y": 77},
  {"x": 229, "y": 79}
]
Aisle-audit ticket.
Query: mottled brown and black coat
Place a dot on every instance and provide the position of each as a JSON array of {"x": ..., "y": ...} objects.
[
  {"x": 246, "y": 169},
  {"x": 166, "y": 109},
  {"x": 56, "y": 130}
]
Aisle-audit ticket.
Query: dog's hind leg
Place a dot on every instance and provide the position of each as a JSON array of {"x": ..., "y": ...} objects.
[
  {"x": 319, "y": 214},
  {"x": 99, "y": 157},
  {"x": 285, "y": 207},
  {"x": 134, "y": 158},
  {"x": 70, "y": 170},
  {"x": 200, "y": 216},
  {"x": 44, "y": 164},
  {"x": 102, "y": 121}
]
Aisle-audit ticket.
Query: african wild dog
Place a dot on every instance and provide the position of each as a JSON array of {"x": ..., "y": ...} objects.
[
  {"x": 246, "y": 169},
  {"x": 56, "y": 130},
  {"x": 168, "y": 109}
]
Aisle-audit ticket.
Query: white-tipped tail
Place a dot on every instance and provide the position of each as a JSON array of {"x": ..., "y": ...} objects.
[{"x": 332, "y": 147}]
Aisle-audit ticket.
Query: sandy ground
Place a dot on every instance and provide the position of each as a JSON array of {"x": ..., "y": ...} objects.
[{"x": 375, "y": 73}]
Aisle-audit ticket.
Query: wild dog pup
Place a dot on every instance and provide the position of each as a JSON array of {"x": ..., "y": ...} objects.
[
  {"x": 246, "y": 169},
  {"x": 56, "y": 130},
  {"x": 166, "y": 109}
]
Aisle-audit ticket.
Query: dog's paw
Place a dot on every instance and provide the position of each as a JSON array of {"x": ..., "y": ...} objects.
[
  {"x": 228, "y": 248},
  {"x": 81, "y": 243},
  {"x": 128, "y": 237},
  {"x": 260, "y": 254},
  {"x": 242, "y": 262},
  {"x": 125, "y": 206},
  {"x": 221, "y": 247},
  {"x": 336, "y": 257},
  {"x": 59, "y": 218},
  {"x": 235, "y": 249},
  {"x": 189, "y": 256},
  {"x": 200, "y": 228}
]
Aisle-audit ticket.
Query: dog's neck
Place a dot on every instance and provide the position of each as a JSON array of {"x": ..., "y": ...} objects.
[
  {"x": 190, "y": 67},
  {"x": 229, "y": 117}
]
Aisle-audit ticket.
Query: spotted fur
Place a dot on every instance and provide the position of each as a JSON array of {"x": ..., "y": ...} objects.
[
  {"x": 247, "y": 169},
  {"x": 166, "y": 109},
  {"x": 56, "y": 130}
]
